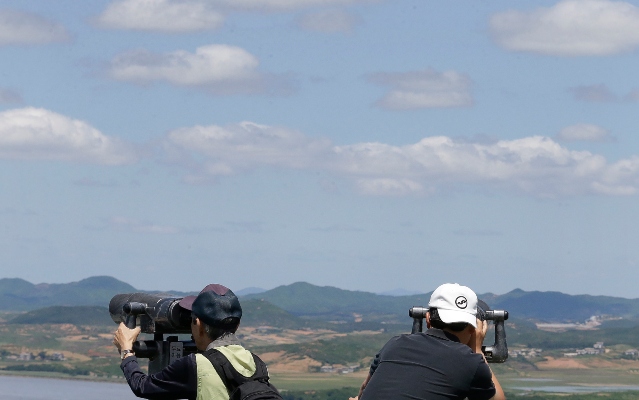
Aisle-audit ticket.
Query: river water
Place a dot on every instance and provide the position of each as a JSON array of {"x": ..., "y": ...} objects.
[{"x": 28, "y": 388}]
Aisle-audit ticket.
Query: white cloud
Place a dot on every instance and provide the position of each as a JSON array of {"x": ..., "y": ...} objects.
[
  {"x": 584, "y": 132},
  {"x": 424, "y": 89},
  {"x": 245, "y": 146},
  {"x": 329, "y": 21},
  {"x": 38, "y": 134},
  {"x": 570, "y": 28},
  {"x": 161, "y": 15},
  {"x": 177, "y": 16},
  {"x": 18, "y": 27},
  {"x": 536, "y": 165},
  {"x": 217, "y": 68}
]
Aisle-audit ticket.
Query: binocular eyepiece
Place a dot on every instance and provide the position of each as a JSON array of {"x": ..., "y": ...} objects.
[{"x": 484, "y": 312}]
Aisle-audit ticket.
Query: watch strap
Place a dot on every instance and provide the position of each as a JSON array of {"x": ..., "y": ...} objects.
[{"x": 126, "y": 353}]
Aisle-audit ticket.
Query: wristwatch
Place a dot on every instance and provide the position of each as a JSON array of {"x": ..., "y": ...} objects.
[{"x": 125, "y": 353}]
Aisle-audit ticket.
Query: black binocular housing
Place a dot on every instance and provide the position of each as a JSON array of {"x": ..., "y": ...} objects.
[
  {"x": 497, "y": 353},
  {"x": 152, "y": 313},
  {"x": 156, "y": 315}
]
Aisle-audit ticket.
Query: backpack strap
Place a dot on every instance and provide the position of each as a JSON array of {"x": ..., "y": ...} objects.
[{"x": 229, "y": 375}]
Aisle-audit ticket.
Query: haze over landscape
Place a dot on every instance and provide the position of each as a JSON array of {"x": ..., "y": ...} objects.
[{"x": 363, "y": 144}]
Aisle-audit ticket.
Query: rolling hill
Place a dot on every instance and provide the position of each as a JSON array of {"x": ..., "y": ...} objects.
[{"x": 310, "y": 302}]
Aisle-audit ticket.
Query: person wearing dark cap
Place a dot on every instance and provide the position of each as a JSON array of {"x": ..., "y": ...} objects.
[
  {"x": 445, "y": 362},
  {"x": 216, "y": 314}
]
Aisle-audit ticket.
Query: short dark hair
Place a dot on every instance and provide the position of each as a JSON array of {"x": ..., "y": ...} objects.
[{"x": 436, "y": 322}]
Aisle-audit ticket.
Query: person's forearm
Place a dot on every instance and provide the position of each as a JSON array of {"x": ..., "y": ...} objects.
[
  {"x": 499, "y": 392},
  {"x": 361, "y": 389}
]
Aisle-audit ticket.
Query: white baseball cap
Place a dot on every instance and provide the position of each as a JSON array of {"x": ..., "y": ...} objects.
[{"x": 455, "y": 303}]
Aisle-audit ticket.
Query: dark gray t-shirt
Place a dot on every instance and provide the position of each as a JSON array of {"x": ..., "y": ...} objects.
[{"x": 432, "y": 365}]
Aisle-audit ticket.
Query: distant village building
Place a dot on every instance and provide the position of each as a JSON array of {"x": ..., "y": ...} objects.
[
  {"x": 526, "y": 353},
  {"x": 632, "y": 354},
  {"x": 25, "y": 356},
  {"x": 596, "y": 349},
  {"x": 267, "y": 329},
  {"x": 326, "y": 368},
  {"x": 349, "y": 369}
]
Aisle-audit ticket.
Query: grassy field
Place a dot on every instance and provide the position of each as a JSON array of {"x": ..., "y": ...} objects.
[
  {"x": 317, "y": 381},
  {"x": 89, "y": 354}
]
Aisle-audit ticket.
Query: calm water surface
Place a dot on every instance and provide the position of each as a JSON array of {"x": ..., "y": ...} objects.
[
  {"x": 559, "y": 388},
  {"x": 27, "y": 388}
]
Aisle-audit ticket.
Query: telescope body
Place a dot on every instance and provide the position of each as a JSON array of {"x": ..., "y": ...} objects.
[
  {"x": 152, "y": 313},
  {"x": 156, "y": 315}
]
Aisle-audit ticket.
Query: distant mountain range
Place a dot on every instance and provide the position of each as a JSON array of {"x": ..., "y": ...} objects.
[{"x": 310, "y": 302}]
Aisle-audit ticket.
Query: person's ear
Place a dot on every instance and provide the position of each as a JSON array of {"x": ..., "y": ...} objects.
[{"x": 428, "y": 319}]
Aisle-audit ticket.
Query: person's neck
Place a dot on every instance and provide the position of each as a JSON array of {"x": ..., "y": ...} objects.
[
  {"x": 224, "y": 340},
  {"x": 463, "y": 336}
]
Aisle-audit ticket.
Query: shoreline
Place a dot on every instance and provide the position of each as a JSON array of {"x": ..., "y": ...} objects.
[{"x": 61, "y": 376}]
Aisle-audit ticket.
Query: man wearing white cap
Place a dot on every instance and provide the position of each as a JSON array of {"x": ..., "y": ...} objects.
[{"x": 445, "y": 362}]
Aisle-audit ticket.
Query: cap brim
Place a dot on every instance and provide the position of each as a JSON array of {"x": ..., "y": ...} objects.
[
  {"x": 453, "y": 316},
  {"x": 187, "y": 302}
]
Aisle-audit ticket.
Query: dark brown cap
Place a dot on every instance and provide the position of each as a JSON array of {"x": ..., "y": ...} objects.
[{"x": 214, "y": 305}]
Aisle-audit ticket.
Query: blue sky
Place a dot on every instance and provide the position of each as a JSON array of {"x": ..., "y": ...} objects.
[{"x": 368, "y": 145}]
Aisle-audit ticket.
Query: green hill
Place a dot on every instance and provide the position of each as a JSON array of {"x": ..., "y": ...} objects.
[
  {"x": 20, "y": 295},
  {"x": 556, "y": 306},
  {"x": 309, "y": 302},
  {"x": 330, "y": 303},
  {"x": 78, "y": 315}
]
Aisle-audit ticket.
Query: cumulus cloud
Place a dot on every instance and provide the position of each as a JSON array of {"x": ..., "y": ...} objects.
[
  {"x": 242, "y": 147},
  {"x": 38, "y": 134},
  {"x": 584, "y": 133},
  {"x": 217, "y": 68},
  {"x": 570, "y": 28},
  {"x": 20, "y": 28},
  {"x": 177, "y": 16},
  {"x": 161, "y": 15},
  {"x": 536, "y": 165},
  {"x": 423, "y": 89},
  {"x": 328, "y": 21}
]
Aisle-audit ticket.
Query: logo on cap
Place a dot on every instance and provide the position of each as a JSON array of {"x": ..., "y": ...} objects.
[{"x": 461, "y": 302}]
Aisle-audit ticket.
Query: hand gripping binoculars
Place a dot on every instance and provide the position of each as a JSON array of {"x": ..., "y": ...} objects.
[
  {"x": 156, "y": 315},
  {"x": 498, "y": 352}
]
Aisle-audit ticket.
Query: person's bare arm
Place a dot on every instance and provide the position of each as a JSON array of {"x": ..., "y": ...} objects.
[
  {"x": 476, "y": 342},
  {"x": 361, "y": 389},
  {"x": 124, "y": 337}
]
